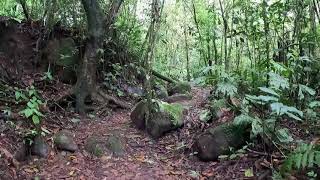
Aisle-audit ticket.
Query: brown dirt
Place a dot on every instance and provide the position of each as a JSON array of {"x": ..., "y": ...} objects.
[{"x": 167, "y": 158}]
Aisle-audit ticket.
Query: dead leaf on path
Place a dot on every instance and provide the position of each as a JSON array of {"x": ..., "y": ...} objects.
[
  {"x": 175, "y": 173},
  {"x": 140, "y": 158},
  {"x": 72, "y": 173}
]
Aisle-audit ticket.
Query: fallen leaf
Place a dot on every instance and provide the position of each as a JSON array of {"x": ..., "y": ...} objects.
[{"x": 248, "y": 173}]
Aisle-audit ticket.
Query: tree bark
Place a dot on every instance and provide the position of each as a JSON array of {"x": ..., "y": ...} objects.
[{"x": 86, "y": 82}]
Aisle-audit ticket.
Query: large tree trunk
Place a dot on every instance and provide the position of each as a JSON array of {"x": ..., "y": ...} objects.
[{"x": 86, "y": 82}]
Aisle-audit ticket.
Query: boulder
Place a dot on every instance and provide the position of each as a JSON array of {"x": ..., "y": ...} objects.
[
  {"x": 161, "y": 91},
  {"x": 166, "y": 117},
  {"x": 217, "y": 141},
  {"x": 138, "y": 114},
  {"x": 22, "y": 152},
  {"x": 40, "y": 147},
  {"x": 63, "y": 140},
  {"x": 115, "y": 145},
  {"x": 179, "y": 88},
  {"x": 94, "y": 146},
  {"x": 177, "y": 98},
  {"x": 160, "y": 123}
]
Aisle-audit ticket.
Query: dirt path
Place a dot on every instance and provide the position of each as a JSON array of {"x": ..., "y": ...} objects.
[
  {"x": 167, "y": 158},
  {"x": 144, "y": 158}
]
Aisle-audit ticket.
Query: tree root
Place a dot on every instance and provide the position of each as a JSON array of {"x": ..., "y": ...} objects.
[
  {"x": 99, "y": 96},
  {"x": 107, "y": 98}
]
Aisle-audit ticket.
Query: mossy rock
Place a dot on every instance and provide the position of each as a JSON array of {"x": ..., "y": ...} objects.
[
  {"x": 163, "y": 118},
  {"x": 179, "y": 88},
  {"x": 63, "y": 140},
  {"x": 161, "y": 91},
  {"x": 138, "y": 114},
  {"x": 217, "y": 141},
  {"x": 115, "y": 145},
  {"x": 94, "y": 146},
  {"x": 161, "y": 123}
]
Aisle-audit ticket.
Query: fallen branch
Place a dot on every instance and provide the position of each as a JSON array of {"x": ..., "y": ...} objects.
[
  {"x": 160, "y": 76},
  {"x": 114, "y": 100}
]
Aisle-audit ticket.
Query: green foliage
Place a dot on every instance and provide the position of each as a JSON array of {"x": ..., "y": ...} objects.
[
  {"x": 32, "y": 109},
  {"x": 226, "y": 86},
  {"x": 304, "y": 156}
]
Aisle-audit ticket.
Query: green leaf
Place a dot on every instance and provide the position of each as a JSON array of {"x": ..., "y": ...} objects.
[
  {"x": 304, "y": 160},
  {"x": 298, "y": 159},
  {"x": 311, "y": 159},
  {"x": 314, "y": 104},
  {"x": 269, "y": 91},
  {"x": 205, "y": 115},
  {"x": 18, "y": 95},
  {"x": 28, "y": 112},
  {"x": 35, "y": 119},
  {"x": 284, "y": 135},
  {"x": 30, "y": 105},
  {"x": 278, "y": 81},
  {"x": 249, "y": 173}
]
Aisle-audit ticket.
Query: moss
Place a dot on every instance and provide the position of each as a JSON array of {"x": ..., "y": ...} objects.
[
  {"x": 114, "y": 144},
  {"x": 93, "y": 146}
]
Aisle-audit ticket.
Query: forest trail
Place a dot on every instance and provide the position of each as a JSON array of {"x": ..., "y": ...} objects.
[{"x": 144, "y": 158}]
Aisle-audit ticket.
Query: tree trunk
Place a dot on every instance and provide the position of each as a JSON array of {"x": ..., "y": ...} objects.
[{"x": 86, "y": 82}]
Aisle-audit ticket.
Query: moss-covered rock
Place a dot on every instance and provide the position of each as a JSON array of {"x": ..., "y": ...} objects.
[
  {"x": 161, "y": 91},
  {"x": 217, "y": 141},
  {"x": 138, "y": 114},
  {"x": 94, "y": 146},
  {"x": 179, "y": 88},
  {"x": 115, "y": 145},
  {"x": 164, "y": 117},
  {"x": 63, "y": 140}
]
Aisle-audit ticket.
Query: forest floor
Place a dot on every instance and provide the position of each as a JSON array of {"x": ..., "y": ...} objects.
[{"x": 169, "y": 157}]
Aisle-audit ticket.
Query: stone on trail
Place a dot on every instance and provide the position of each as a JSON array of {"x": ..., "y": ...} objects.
[
  {"x": 22, "y": 153},
  {"x": 115, "y": 145},
  {"x": 138, "y": 114},
  {"x": 63, "y": 140},
  {"x": 94, "y": 146},
  {"x": 161, "y": 91},
  {"x": 40, "y": 147},
  {"x": 179, "y": 88},
  {"x": 167, "y": 118},
  {"x": 217, "y": 141}
]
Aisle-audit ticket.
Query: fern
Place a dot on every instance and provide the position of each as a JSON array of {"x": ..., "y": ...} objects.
[
  {"x": 278, "y": 81},
  {"x": 305, "y": 155}
]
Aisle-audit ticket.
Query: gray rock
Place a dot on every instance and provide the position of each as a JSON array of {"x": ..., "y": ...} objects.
[
  {"x": 40, "y": 147},
  {"x": 161, "y": 123},
  {"x": 138, "y": 113},
  {"x": 63, "y": 140},
  {"x": 115, "y": 145},
  {"x": 22, "y": 153},
  {"x": 161, "y": 91},
  {"x": 217, "y": 141},
  {"x": 94, "y": 146}
]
